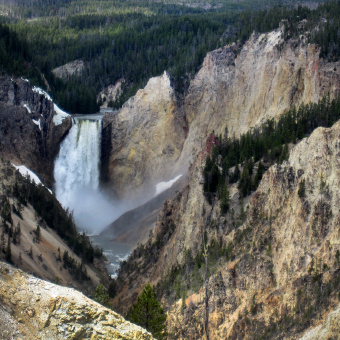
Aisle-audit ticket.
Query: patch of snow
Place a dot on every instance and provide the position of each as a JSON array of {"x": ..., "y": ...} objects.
[
  {"x": 60, "y": 115},
  {"x": 42, "y": 92},
  {"x": 162, "y": 186},
  {"x": 29, "y": 173},
  {"x": 26, "y": 80},
  {"x": 28, "y": 108},
  {"x": 37, "y": 122}
]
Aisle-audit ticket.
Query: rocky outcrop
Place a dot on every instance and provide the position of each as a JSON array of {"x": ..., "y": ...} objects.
[
  {"x": 274, "y": 260},
  {"x": 72, "y": 68},
  {"x": 31, "y": 127},
  {"x": 111, "y": 93},
  {"x": 156, "y": 136},
  {"x": 36, "y": 309},
  {"x": 330, "y": 329},
  {"x": 237, "y": 90},
  {"x": 145, "y": 139}
]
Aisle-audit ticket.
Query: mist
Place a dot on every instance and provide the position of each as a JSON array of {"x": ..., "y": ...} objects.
[{"x": 93, "y": 210}]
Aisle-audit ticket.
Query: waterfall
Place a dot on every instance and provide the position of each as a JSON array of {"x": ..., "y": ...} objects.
[
  {"x": 77, "y": 165},
  {"x": 76, "y": 173}
]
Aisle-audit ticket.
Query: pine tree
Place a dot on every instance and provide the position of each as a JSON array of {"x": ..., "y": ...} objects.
[
  {"x": 8, "y": 251},
  {"x": 37, "y": 234},
  {"x": 148, "y": 313},
  {"x": 3, "y": 241},
  {"x": 102, "y": 296}
]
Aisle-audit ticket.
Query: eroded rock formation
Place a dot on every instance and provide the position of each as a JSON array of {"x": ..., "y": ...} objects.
[
  {"x": 36, "y": 309},
  {"x": 144, "y": 138},
  {"x": 280, "y": 272},
  {"x": 30, "y": 128},
  {"x": 72, "y": 68},
  {"x": 154, "y": 136}
]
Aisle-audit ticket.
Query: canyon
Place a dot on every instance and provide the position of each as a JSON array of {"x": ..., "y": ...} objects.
[
  {"x": 278, "y": 275},
  {"x": 156, "y": 134}
]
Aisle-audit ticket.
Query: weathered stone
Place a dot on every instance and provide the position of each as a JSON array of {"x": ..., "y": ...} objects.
[
  {"x": 60, "y": 313},
  {"x": 28, "y": 134},
  {"x": 155, "y": 136}
]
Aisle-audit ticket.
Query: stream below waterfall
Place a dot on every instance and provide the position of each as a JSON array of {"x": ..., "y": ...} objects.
[{"x": 76, "y": 173}]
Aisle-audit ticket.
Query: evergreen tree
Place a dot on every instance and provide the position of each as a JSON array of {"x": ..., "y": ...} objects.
[
  {"x": 148, "y": 313},
  {"x": 37, "y": 234},
  {"x": 102, "y": 296},
  {"x": 8, "y": 251},
  {"x": 3, "y": 241}
]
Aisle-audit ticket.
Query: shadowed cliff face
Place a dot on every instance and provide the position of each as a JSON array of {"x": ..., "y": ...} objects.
[
  {"x": 154, "y": 136},
  {"x": 28, "y": 134}
]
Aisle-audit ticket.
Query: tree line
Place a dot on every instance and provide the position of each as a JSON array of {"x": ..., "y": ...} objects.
[
  {"x": 139, "y": 43},
  {"x": 233, "y": 159}
]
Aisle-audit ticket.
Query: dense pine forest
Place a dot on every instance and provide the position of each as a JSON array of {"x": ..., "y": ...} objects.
[{"x": 136, "y": 41}]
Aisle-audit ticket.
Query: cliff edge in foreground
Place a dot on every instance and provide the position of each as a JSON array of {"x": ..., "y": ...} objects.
[{"x": 31, "y": 308}]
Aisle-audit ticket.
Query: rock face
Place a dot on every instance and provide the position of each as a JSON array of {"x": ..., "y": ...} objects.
[
  {"x": 280, "y": 272},
  {"x": 72, "y": 68},
  {"x": 41, "y": 310},
  {"x": 110, "y": 93},
  {"x": 145, "y": 137},
  {"x": 156, "y": 136},
  {"x": 30, "y": 128},
  {"x": 330, "y": 329}
]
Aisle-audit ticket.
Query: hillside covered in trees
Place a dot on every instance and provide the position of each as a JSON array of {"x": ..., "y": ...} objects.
[{"x": 136, "y": 41}]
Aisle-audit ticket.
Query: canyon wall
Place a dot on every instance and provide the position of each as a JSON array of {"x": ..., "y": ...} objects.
[
  {"x": 274, "y": 261},
  {"x": 145, "y": 138},
  {"x": 31, "y": 127},
  {"x": 155, "y": 136}
]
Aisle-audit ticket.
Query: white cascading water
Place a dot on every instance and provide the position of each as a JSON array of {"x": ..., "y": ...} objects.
[{"x": 76, "y": 172}]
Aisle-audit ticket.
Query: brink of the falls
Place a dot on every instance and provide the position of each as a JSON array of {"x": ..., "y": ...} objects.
[{"x": 76, "y": 173}]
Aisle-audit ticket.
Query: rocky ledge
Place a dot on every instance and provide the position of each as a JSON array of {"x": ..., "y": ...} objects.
[{"x": 31, "y": 308}]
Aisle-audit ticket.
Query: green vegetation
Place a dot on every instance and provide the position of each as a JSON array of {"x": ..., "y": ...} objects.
[
  {"x": 15, "y": 56},
  {"x": 265, "y": 145},
  {"x": 148, "y": 313},
  {"x": 77, "y": 270},
  {"x": 50, "y": 210},
  {"x": 136, "y": 41},
  {"x": 101, "y": 296}
]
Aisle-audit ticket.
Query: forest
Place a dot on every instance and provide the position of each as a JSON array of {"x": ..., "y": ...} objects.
[
  {"x": 134, "y": 42},
  {"x": 263, "y": 146}
]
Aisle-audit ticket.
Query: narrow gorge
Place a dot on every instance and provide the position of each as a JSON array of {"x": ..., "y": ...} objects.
[{"x": 222, "y": 195}]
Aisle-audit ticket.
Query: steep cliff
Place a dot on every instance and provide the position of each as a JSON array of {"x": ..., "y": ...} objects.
[
  {"x": 31, "y": 126},
  {"x": 36, "y": 309},
  {"x": 155, "y": 136},
  {"x": 273, "y": 261},
  {"x": 145, "y": 138}
]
